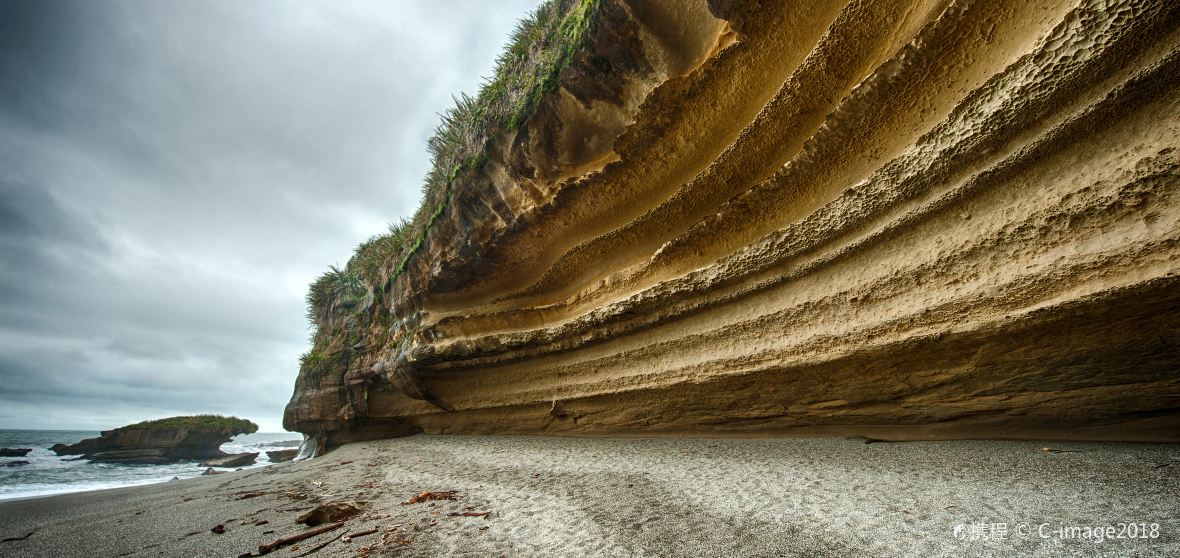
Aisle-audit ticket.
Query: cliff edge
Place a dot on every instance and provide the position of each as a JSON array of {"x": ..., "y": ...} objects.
[{"x": 900, "y": 219}]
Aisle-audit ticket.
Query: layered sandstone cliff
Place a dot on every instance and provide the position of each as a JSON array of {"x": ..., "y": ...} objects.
[{"x": 890, "y": 218}]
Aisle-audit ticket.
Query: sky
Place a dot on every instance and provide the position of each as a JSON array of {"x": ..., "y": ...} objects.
[{"x": 174, "y": 173}]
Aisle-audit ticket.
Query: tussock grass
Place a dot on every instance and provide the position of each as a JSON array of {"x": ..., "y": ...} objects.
[
  {"x": 217, "y": 423},
  {"x": 335, "y": 287},
  {"x": 530, "y": 66}
]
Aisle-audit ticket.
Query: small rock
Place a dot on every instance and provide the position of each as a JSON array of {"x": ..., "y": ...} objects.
[
  {"x": 211, "y": 471},
  {"x": 61, "y": 449},
  {"x": 14, "y": 452},
  {"x": 14, "y": 464},
  {"x": 281, "y": 456},
  {"x": 219, "y": 529},
  {"x": 329, "y": 512},
  {"x": 236, "y": 460},
  {"x": 424, "y": 524}
]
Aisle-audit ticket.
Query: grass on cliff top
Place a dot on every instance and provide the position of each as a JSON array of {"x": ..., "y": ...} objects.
[
  {"x": 540, "y": 47},
  {"x": 214, "y": 423}
]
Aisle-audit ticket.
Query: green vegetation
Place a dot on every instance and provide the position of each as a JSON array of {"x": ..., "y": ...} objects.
[
  {"x": 345, "y": 287},
  {"x": 540, "y": 48},
  {"x": 318, "y": 362},
  {"x": 216, "y": 423},
  {"x": 377, "y": 251}
]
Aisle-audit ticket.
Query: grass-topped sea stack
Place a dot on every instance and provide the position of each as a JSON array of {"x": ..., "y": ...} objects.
[{"x": 187, "y": 438}]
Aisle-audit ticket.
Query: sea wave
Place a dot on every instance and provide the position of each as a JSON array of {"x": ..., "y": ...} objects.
[{"x": 49, "y": 474}]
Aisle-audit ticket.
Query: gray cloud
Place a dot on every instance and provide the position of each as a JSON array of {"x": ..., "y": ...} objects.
[{"x": 173, "y": 174}]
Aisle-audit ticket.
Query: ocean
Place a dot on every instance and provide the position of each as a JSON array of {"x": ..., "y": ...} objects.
[{"x": 48, "y": 473}]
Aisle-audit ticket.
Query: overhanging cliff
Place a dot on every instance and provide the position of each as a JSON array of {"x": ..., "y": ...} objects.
[{"x": 903, "y": 219}]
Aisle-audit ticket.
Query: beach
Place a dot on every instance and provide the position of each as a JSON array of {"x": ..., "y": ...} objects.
[{"x": 550, "y": 496}]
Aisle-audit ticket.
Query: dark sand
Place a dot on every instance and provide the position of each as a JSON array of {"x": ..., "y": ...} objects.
[{"x": 643, "y": 497}]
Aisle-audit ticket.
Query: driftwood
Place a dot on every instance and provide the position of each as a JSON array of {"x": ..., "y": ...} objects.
[
  {"x": 27, "y": 535},
  {"x": 425, "y": 496},
  {"x": 266, "y": 548},
  {"x": 321, "y": 546},
  {"x": 350, "y": 536},
  {"x": 297, "y": 508}
]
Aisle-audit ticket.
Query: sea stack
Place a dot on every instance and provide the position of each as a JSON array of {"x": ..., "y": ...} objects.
[{"x": 187, "y": 438}]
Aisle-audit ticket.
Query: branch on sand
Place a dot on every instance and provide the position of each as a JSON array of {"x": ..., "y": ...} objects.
[
  {"x": 426, "y": 496},
  {"x": 267, "y": 548},
  {"x": 321, "y": 546},
  {"x": 348, "y": 538},
  {"x": 26, "y": 535}
]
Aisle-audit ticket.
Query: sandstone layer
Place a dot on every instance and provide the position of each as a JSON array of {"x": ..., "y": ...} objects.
[{"x": 893, "y": 218}]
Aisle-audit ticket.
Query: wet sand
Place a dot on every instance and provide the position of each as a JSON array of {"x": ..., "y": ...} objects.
[{"x": 644, "y": 497}]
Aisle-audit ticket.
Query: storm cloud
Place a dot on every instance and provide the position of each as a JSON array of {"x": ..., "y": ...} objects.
[{"x": 173, "y": 174}]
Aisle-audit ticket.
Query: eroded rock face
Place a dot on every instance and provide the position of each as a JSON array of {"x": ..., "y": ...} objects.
[{"x": 897, "y": 219}]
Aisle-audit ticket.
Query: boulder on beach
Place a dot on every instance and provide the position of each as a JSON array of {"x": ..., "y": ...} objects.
[
  {"x": 17, "y": 463},
  {"x": 235, "y": 460},
  {"x": 162, "y": 441},
  {"x": 14, "y": 452},
  {"x": 281, "y": 456},
  {"x": 329, "y": 512}
]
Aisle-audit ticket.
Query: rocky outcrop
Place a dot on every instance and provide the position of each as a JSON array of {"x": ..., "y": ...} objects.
[
  {"x": 14, "y": 452},
  {"x": 281, "y": 456},
  {"x": 897, "y": 219},
  {"x": 233, "y": 460},
  {"x": 161, "y": 441}
]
